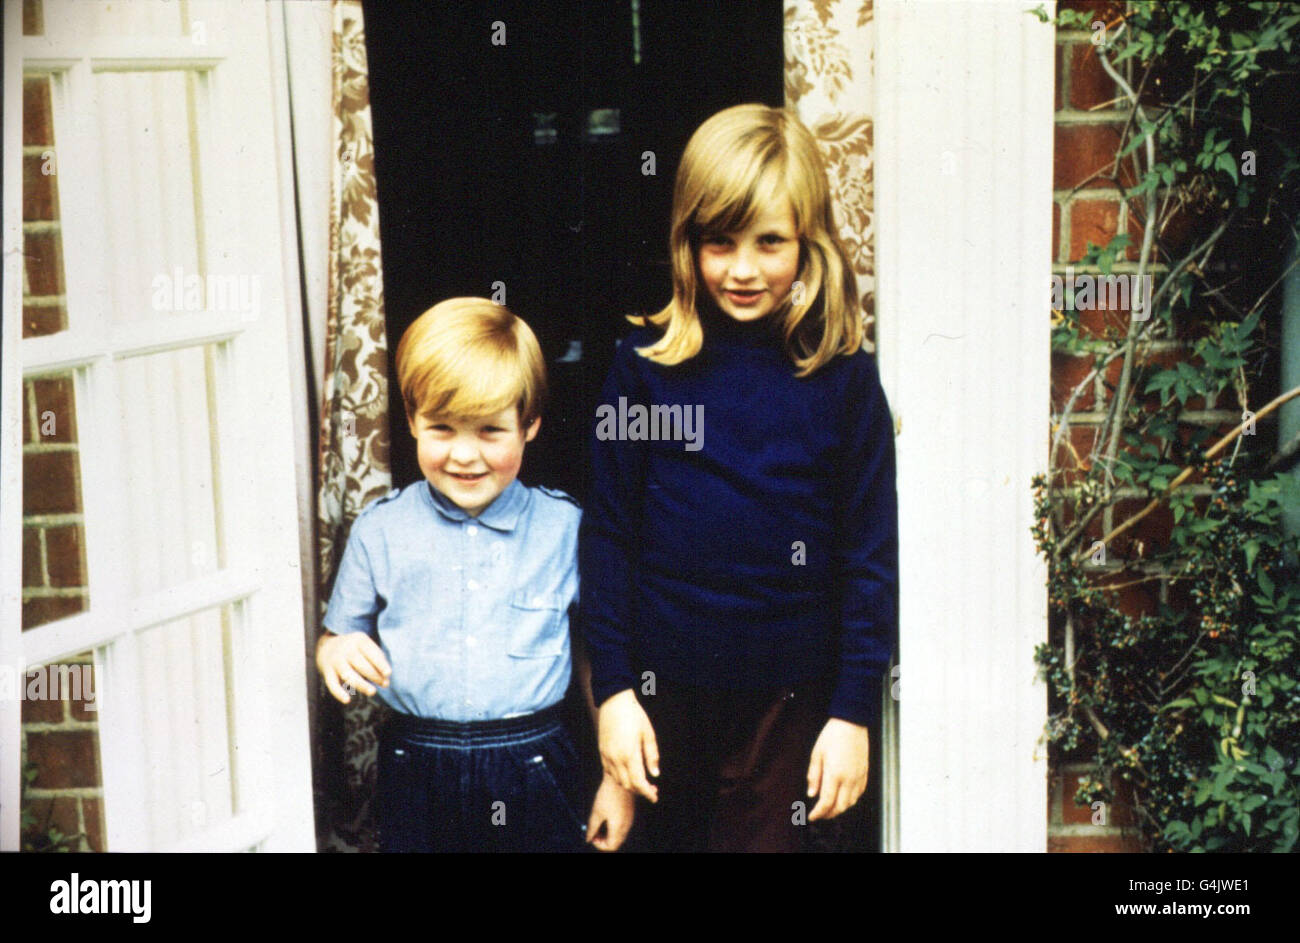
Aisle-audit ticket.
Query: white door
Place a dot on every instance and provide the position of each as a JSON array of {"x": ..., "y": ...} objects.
[{"x": 173, "y": 339}]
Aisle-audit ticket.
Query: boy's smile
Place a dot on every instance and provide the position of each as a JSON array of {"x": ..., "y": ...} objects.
[
  {"x": 472, "y": 461},
  {"x": 749, "y": 272}
]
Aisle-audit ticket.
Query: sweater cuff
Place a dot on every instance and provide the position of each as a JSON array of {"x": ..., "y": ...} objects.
[
  {"x": 859, "y": 703},
  {"x": 605, "y": 684}
]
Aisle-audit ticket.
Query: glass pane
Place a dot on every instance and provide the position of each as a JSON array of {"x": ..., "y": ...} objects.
[
  {"x": 167, "y": 435},
  {"x": 62, "y": 806},
  {"x": 187, "y": 729},
  {"x": 148, "y": 153},
  {"x": 54, "y": 539},
  {"x": 44, "y": 310}
]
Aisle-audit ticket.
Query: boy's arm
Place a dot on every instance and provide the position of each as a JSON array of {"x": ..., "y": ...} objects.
[{"x": 347, "y": 658}]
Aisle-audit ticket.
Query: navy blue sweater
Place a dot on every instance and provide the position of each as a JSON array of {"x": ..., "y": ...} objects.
[{"x": 761, "y": 555}]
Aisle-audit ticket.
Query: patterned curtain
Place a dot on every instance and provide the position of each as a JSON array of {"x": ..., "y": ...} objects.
[
  {"x": 354, "y": 425},
  {"x": 829, "y": 79}
]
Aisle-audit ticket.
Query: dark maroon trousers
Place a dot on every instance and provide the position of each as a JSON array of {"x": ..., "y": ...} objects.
[{"x": 733, "y": 768}]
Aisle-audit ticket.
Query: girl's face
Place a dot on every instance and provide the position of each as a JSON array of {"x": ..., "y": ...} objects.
[{"x": 749, "y": 272}]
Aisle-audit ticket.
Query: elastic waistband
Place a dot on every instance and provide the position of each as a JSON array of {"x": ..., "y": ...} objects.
[{"x": 478, "y": 731}]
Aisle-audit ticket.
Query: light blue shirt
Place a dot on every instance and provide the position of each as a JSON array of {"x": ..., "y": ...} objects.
[{"x": 472, "y": 613}]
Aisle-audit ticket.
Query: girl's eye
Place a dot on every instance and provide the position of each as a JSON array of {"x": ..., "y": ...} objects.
[
  {"x": 715, "y": 239},
  {"x": 772, "y": 239}
]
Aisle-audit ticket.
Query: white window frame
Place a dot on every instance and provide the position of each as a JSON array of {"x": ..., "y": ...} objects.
[{"x": 243, "y": 187}]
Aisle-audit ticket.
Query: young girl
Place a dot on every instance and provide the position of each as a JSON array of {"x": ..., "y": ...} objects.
[{"x": 740, "y": 595}]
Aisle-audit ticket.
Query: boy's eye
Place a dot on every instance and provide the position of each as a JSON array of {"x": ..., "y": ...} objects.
[{"x": 493, "y": 429}]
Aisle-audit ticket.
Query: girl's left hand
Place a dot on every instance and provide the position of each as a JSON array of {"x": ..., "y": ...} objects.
[{"x": 837, "y": 774}]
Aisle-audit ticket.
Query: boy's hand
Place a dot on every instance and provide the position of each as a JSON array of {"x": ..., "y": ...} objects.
[
  {"x": 837, "y": 774},
  {"x": 627, "y": 744},
  {"x": 351, "y": 659},
  {"x": 611, "y": 815}
]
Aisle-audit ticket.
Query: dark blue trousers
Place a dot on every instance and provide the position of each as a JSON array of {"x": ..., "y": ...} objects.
[{"x": 498, "y": 785}]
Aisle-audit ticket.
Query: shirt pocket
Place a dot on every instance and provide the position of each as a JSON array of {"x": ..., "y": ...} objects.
[{"x": 537, "y": 627}]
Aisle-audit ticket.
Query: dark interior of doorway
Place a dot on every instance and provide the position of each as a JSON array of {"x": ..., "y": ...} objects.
[{"x": 521, "y": 163}]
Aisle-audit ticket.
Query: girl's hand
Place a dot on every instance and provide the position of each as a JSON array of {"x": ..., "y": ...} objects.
[
  {"x": 837, "y": 774},
  {"x": 351, "y": 659},
  {"x": 611, "y": 815},
  {"x": 627, "y": 744}
]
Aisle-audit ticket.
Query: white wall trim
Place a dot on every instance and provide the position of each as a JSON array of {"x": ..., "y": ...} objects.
[{"x": 963, "y": 251}]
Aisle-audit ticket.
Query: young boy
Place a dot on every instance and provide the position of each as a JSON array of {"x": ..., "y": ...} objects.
[{"x": 453, "y": 598}]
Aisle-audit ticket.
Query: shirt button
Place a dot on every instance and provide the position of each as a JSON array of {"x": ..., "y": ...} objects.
[
  {"x": 537, "y": 601},
  {"x": 472, "y": 585},
  {"x": 471, "y": 530},
  {"x": 470, "y": 641}
]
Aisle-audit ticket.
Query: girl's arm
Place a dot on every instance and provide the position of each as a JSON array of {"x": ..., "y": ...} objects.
[
  {"x": 867, "y": 547},
  {"x": 606, "y": 540}
]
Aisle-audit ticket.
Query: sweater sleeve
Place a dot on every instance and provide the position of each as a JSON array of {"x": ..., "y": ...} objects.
[
  {"x": 607, "y": 538},
  {"x": 867, "y": 548}
]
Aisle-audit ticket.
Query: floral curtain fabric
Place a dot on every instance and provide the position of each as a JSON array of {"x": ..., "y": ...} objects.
[
  {"x": 829, "y": 78},
  {"x": 353, "y": 458}
]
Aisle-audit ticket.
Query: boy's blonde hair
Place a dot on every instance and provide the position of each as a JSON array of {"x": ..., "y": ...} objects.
[
  {"x": 468, "y": 358},
  {"x": 735, "y": 165}
]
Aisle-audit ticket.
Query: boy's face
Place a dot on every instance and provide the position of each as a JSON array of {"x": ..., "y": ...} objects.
[
  {"x": 472, "y": 461},
  {"x": 749, "y": 272}
]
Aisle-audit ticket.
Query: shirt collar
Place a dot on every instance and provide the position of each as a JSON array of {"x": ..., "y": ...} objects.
[{"x": 502, "y": 514}]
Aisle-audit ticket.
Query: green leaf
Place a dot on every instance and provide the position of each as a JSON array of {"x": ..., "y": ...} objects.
[{"x": 1245, "y": 119}]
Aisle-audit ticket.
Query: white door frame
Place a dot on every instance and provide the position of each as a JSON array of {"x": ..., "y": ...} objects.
[{"x": 963, "y": 188}]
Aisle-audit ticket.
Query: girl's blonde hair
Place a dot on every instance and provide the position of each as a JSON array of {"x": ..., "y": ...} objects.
[
  {"x": 469, "y": 358},
  {"x": 736, "y": 164}
]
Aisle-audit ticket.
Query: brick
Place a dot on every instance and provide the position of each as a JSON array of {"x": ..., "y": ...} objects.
[
  {"x": 77, "y": 707},
  {"x": 64, "y": 759},
  {"x": 1060, "y": 74},
  {"x": 43, "y": 320},
  {"x": 44, "y": 259},
  {"x": 43, "y": 709},
  {"x": 55, "y": 395},
  {"x": 40, "y": 196},
  {"x": 33, "y": 572},
  {"x": 38, "y": 128},
  {"x": 92, "y": 811},
  {"x": 1056, "y": 232},
  {"x": 1094, "y": 221},
  {"x": 1082, "y": 150},
  {"x": 1067, "y": 372},
  {"x": 1106, "y": 10},
  {"x": 50, "y": 484},
  {"x": 65, "y": 556},
  {"x": 1152, "y": 531},
  {"x": 54, "y": 811},
  {"x": 39, "y": 610},
  {"x": 1090, "y": 86},
  {"x": 1104, "y": 843},
  {"x": 1072, "y": 465},
  {"x": 33, "y": 18},
  {"x": 1072, "y": 814}
]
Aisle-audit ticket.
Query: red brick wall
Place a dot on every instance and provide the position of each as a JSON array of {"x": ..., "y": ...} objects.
[
  {"x": 1088, "y": 207},
  {"x": 60, "y": 735}
]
